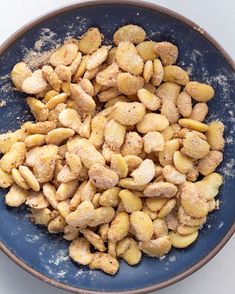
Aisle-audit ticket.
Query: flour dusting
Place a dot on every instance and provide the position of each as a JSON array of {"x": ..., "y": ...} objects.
[
  {"x": 172, "y": 258},
  {"x": 39, "y": 55},
  {"x": 33, "y": 238},
  {"x": 59, "y": 257},
  {"x": 229, "y": 168},
  {"x": 3, "y": 103}
]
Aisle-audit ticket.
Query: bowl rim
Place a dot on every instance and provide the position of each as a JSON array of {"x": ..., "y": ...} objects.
[{"x": 141, "y": 4}]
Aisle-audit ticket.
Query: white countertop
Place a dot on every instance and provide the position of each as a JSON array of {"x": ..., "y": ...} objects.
[{"x": 217, "y": 18}]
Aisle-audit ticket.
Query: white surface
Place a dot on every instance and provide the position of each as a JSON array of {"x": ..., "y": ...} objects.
[{"x": 216, "y": 17}]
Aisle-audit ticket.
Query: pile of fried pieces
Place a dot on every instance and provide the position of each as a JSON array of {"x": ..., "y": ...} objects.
[{"x": 113, "y": 158}]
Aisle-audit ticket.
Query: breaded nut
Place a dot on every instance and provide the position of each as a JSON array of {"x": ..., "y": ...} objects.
[
  {"x": 131, "y": 33},
  {"x": 70, "y": 118},
  {"x": 132, "y": 161},
  {"x": 191, "y": 201},
  {"x": 199, "y": 112},
  {"x": 35, "y": 140},
  {"x": 180, "y": 241},
  {"x": 129, "y": 183},
  {"x": 186, "y": 230},
  {"x": 111, "y": 56},
  {"x": 193, "y": 124},
  {"x": 172, "y": 175},
  {"x": 14, "y": 157},
  {"x": 35, "y": 83},
  {"x": 128, "y": 59},
  {"x": 19, "y": 73},
  {"x": 66, "y": 190},
  {"x": 148, "y": 71},
  {"x": 105, "y": 262},
  {"x": 170, "y": 111},
  {"x": 182, "y": 162},
  {"x": 102, "y": 177},
  {"x": 52, "y": 78},
  {"x": 130, "y": 201},
  {"x": 215, "y": 135},
  {"x": 6, "y": 180},
  {"x": 142, "y": 225},
  {"x": 87, "y": 152},
  {"x": 194, "y": 146},
  {"x": 149, "y": 100},
  {"x": 158, "y": 72},
  {"x": 108, "y": 76},
  {"x": 128, "y": 113},
  {"x": 70, "y": 233},
  {"x": 64, "y": 73},
  {"x": 81, "y": 68},
  {"x": 38, "y": 109},
  {"x": 184, "y": 105},
  {"x": 79, "y": 251},
  {"x": 82, "y": 99},
  {"x": 109, "y": 94},
  {"x": 156, "y": 247},
  {"x": 147, "y": 50},
  {"x": 208, "y": 164},
  {"x": 119, "y": 165},
  {"x": 114, "y": 134},
  {"x": 41, "y": 127},
  {"x": 36, "y": 200},
  {"x": 166, "y": 156},
  {"x": 41, "y": 216},
  {"x": 49, "y": 192},
  {"x": 29, "y": 177},
  {"x": 156, "y": 203},
  {"x": 144, "y": 173},
  {"x": 56, "y": 225},
  {"x": 160, "y": 189},
  {"x": 59, "y": 135},
  {"x": 90, "y": 41},
  {"x": 82, "y": 216},
  {"x": 168, "y": 91},
  {"x": 199, "y": 92},
  {"x": 160, "y": 228},
  {"x": 98, "y": 124},
  {"x": 56, "y": 100},
  {"x": 64, "y": 54},
  {"x": 16, "y": 196},
  {"x": 18, "y": 179},
  {"x": 85, "y": 128},
  {"x": 94, "y": 239},
  {"x": 129, "y": 84},
  {"x": 175, "y": 74},
  {"x": 102, "y": 215},
  {"x": 167, "y": 208},
  {"x": 188, "y": 220},
  {"x": 133, "y": 144},
  {"x": 98, "y": 57},
  {"x": 119, "y": 227},
  {"x": 153, "y": 142},
  {"x": 132, "y": 255},
  {"x": 167, "y": 52},
  {"x": 110, "y": 197},
  {"x": 152, "y": 122},
  {"x": 209, "y": 186}
]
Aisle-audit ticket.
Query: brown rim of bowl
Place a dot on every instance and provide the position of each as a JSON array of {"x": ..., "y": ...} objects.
[{"x": 13, "y": 38}]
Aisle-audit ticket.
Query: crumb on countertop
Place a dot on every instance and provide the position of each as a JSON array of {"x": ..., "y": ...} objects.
[{"x": 2, "y": 103}]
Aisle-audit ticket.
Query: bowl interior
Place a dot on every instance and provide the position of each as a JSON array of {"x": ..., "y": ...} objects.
[{"x": 48, "y": 254}]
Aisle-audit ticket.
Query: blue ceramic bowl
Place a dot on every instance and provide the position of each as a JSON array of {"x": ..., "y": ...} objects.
[{"x": 45, "y": 255}]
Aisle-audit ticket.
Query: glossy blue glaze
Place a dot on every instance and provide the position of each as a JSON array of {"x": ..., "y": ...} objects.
[{"x": 48, "y": 253}]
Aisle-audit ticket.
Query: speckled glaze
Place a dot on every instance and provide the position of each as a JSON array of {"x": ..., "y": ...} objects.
[{"x": 45, "y": 255}]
